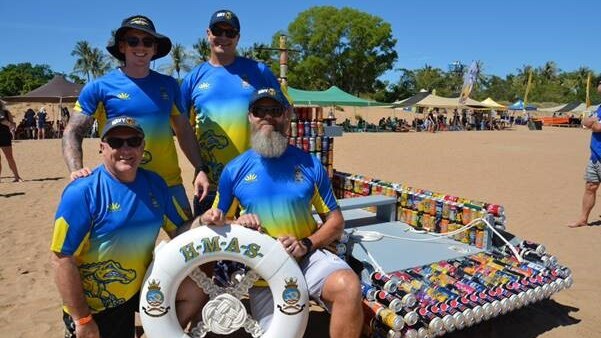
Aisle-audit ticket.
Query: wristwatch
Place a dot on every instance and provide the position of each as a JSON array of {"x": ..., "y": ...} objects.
[
  {"x": 308, "y": 244},
  {"x": 202, "y": 167}
]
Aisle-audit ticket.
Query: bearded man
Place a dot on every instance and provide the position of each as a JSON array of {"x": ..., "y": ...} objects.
[{"x": 275, "y": 185}]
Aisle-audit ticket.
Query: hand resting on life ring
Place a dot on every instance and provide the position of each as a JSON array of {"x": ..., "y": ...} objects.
[{"x": 224, "y": 313}]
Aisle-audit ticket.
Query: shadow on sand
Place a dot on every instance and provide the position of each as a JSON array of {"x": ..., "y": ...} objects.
[
  {"x": 528, "y": 322},
  {"x": 531, "y": 321},
  {"x": 12, "y": 194}
]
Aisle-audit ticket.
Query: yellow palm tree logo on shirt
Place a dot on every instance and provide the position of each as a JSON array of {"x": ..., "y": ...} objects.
[
  {"x": 123, "y": 96},
  {"x": 250, "y": 178},
  {"x": 114, "y": 207}
]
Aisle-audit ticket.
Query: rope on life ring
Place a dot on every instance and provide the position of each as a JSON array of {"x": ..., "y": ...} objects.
[{"x": 224, "y": 313}]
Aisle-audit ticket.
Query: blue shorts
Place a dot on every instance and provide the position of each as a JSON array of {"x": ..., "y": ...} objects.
[{"x": 179, "y": 193}]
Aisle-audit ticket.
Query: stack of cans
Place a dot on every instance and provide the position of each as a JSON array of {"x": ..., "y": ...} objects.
[
  {"x": 427, "y": 210},
  {"x": 306, "y": 132},
  {"x": 445, "y": 296}
]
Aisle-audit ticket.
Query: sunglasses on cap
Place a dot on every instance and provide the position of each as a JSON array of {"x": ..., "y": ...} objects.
[
  {"x": 117, "y": 143},
  {"x": 134, "y": 41},
  {"x": 230, "y": 33},
  {"x": 262, "y": 111}
]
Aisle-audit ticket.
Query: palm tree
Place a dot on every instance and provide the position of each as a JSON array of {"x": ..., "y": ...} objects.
[
  {"x": 202, "y": 51},
  {"x": 179, "y": 56},
  {"x": 83, "y": 52},
  {"x": 549, "y": 70},
  {"x": 428, "y": 77},
  {"x": 99, "y": 65}
]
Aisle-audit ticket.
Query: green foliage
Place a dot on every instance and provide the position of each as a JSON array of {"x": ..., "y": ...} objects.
[
  {"x": 342, "y": 47},
  {"x": 549, "y": 84},
  {"x": 202, "y": 51},
  {"x": 91, "y": 61},
  {"x": 18, "y": 79},
  {"x": 179, "y": 61}
]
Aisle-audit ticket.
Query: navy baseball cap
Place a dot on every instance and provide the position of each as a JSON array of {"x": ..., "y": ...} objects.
[
  {"x": 270, "y": 93},
  {"x": 121, "y": 122},
  {"x": 227, "y": 17}
]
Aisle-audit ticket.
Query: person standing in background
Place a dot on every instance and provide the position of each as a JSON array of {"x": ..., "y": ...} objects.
[
  {"x": 216, "y": 94},
  {"x": 592, "y": 174},
  {"x": 6, "y": 123},
  {"x": 41, "y": 124}
]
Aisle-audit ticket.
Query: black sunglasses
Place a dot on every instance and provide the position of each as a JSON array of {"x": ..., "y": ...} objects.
[
  {"x": 117, "y": 143},
  {"x": 230, "y": 33},
  {"x": 262, "y": 111},
  {"x": 133, "y": 41}
]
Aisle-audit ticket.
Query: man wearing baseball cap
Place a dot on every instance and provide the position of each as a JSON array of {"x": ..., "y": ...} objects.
[
  {"x": 105, "y": 229},
  {"x": 276, "y": 185},
  {"x": 216, "y": 95},
  {"x": 153, "y": 99}
]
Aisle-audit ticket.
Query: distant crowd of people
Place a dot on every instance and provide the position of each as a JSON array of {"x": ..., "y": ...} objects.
[
  {"x": 35, "y": 125},
  {"x": 437, "y": 120}
]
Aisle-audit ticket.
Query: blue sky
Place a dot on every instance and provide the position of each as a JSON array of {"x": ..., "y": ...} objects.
[{"x": 504, "y": 35}]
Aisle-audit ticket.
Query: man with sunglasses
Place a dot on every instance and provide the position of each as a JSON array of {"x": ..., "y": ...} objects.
[
  {"x": 153, "y": 99},
  {"x": 105, "y": 229},
  {"x": 216, "y": 95},
  {"x": 276, "y": 185},
  {"x": 592, "y": 175}
]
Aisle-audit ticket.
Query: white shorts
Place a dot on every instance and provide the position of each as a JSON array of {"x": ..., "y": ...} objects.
[{"x": 316, "y": 268}]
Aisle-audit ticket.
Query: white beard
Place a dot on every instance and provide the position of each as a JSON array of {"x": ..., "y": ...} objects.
[{"x": 271, "y": 145}]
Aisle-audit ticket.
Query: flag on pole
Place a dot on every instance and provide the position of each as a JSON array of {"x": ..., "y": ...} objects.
[
  {"x": 469, "y": 78},
  {"x": 588, "y": 87},
  {"x": 528, "y": 87}
]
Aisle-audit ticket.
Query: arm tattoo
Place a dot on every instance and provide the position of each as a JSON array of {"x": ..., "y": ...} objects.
[{"x": 79, "y": 124}]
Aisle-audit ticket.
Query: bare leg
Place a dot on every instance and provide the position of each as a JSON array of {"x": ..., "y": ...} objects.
[
  {"x": 588, "y": 202},
  {"x": 8, "y": 152},
  {"x": 343, "y": 291},
  {"x": 190, "y": 299}
]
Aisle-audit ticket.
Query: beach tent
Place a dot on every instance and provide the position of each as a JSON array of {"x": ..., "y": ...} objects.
[
  {"x": 519, "y": 105},
  {"x": 410, "y": 101},
  {"x": 553, "y": 109},
  {"x": 329, "y": 97},
  {"x": 435, "y": 101},
  {"x": 493, "y": 104},
  {"x": 57, "y": 90}
]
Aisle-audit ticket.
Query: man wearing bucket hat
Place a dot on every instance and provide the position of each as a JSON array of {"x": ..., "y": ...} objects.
[
  {"x": 105, "y": 229},
  {"x": 592, "y": 175},
  {"x": 276, "y": 185},
  {"x": 153, "y": 99},
  {"x": 216, "y": 95}
]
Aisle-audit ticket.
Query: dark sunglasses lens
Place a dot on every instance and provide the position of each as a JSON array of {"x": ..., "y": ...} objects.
[
  {"x": 133, "y": 41},
  {"x": 230, "y": 33},
  {"x": 134, "y": 142},
  {"x": 261, "y": 112},
  {"x": 116, "y": 143}
]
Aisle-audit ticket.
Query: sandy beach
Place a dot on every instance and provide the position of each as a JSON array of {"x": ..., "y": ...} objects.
[{"x": 536, "y": 176}]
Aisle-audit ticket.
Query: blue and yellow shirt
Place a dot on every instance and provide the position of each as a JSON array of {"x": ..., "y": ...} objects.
[
  {"x": 280, "y": 191},
  {"x": 151, "y": 101},
  {"x": 217, "y": 99},
  {"x": 110, "y": 228}
]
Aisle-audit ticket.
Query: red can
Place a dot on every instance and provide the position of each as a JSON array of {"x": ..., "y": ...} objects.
[
  {"x": 300, "y": 129},
  {"x": 306, "y": 144}
]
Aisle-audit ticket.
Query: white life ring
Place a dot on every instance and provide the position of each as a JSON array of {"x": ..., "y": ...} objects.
[{"x": 175, "y": 260}]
